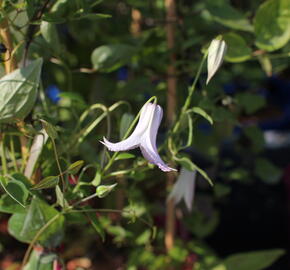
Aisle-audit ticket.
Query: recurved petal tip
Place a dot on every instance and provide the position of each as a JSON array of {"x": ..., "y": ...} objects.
[
  {"x": 165, "y": 168},
  {"x": 154, "y": 158}
]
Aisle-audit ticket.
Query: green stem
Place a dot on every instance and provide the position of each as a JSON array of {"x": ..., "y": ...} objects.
[
  {"x": 83, "y": 200},
  {"x": 190, "y": 93},
  {"x": 3, "y": 156},
  {"x": 59, "y": 168},
  {"x": 36, "y": 237},
  {"x": 13, "y": 154}
]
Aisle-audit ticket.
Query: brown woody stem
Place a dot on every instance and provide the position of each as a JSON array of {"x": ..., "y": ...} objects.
[{"x": 171, "y": 108}]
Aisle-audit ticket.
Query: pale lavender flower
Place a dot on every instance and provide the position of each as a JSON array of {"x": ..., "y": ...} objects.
[
  {"x": 144, "y": 136},
  {"x": 184, "y": 188}
]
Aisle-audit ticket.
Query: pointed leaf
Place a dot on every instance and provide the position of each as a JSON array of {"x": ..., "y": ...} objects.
[
  {"x": 189, "y": 165},
  {"x": 59, "y": 197},
  {"x": 255, "y": 260},
  {"x": 122, "y": 156},
  {"x": 202, "y": 113},
  {"x": 18, "y": 92},
  {"x": 47, "y": 182},
  {"x": 50, "y": 129},
  {"x": 75, "y": 167}
]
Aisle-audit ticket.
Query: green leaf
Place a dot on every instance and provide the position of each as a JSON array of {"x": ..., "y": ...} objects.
[
  {"x": 9, "y": 205},
  {"x": 103, "y": 190},
  {"x": 59, "y": 197},
  {"x": 21, "y": 178},
  {"x": 50, "y": 129},
  {"x": 18, "y": 92},
  {"x": 238, "y": 50},
  {"x": 24, "y": 226},
  {"x": 190, "y": 130},
  {"x": 93, "y": 16},
  {"x": 225, "y": 14},
  {"x": 16, "y": 190},
  {"x": 33, "y": 6},
  {"x": 75, "y": 167},
  {"x": 272, "y": 24},
  {"x": 178, "y": 254},
  {"x": 143, "y": 238},
  {"x": 202, "y": 113},
  {"x": 47, "y": 182},
  {"x": 40, "y": 261},
  {"x": 221, "y": 190},
  {"x": 255, "y": 260},
  {"x": 107, "y": 58},
  {"x": 50, "y": 35},
  {"x": 189, "y": 165},
  {"x": 202, "y": 225},
  {"x": 267, "y": 171},
  {"x": 251, "y": 103},
  {"x": 71, "y": 10},
  {"x": 256, "y": 136},
  {"x": 126, "y": 120},
  {"x": 124, "y": 155},
  {"x": 220, "y": 114}
]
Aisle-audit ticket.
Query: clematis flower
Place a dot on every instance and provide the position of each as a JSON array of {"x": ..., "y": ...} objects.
[
  {"x": 184, "y": 188},
  {"x": 144, "y": 136}
]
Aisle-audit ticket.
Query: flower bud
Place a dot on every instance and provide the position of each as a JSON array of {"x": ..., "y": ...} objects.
[{"x": 216, "y": 52}]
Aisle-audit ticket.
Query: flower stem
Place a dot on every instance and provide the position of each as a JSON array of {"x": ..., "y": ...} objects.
[
  {"x": 13, "y": 153},
  {"x": 60, "y": 170},
  {"x": 191, "y": 90},
  {"x": 3, "y": 156}
]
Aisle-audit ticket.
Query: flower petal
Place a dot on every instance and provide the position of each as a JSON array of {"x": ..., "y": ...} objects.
[
  {"x": 154, "y": 158},
  {"x": 184, "y": 188},
  {"x": 189, "y": 180},
  {"x": 130, "y": 143},
  {"x": 133, "y": 140},
  {"x": 216, "y": 52},
  {"x": 177, "y": 191},
  {"x": 148, "y": 140}
]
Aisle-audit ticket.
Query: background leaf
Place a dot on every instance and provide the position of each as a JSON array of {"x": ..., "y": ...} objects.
[
  {"x": 222, "y": 12},
  {"x": 24, "y": 226},
  {"x": 272, "y": 24},
  {"x": 110, "y": 57},
  {"x": 256, "y": 260},
  {"x": 238, "y": 50},
  {"x": 18, "y": 92}
]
